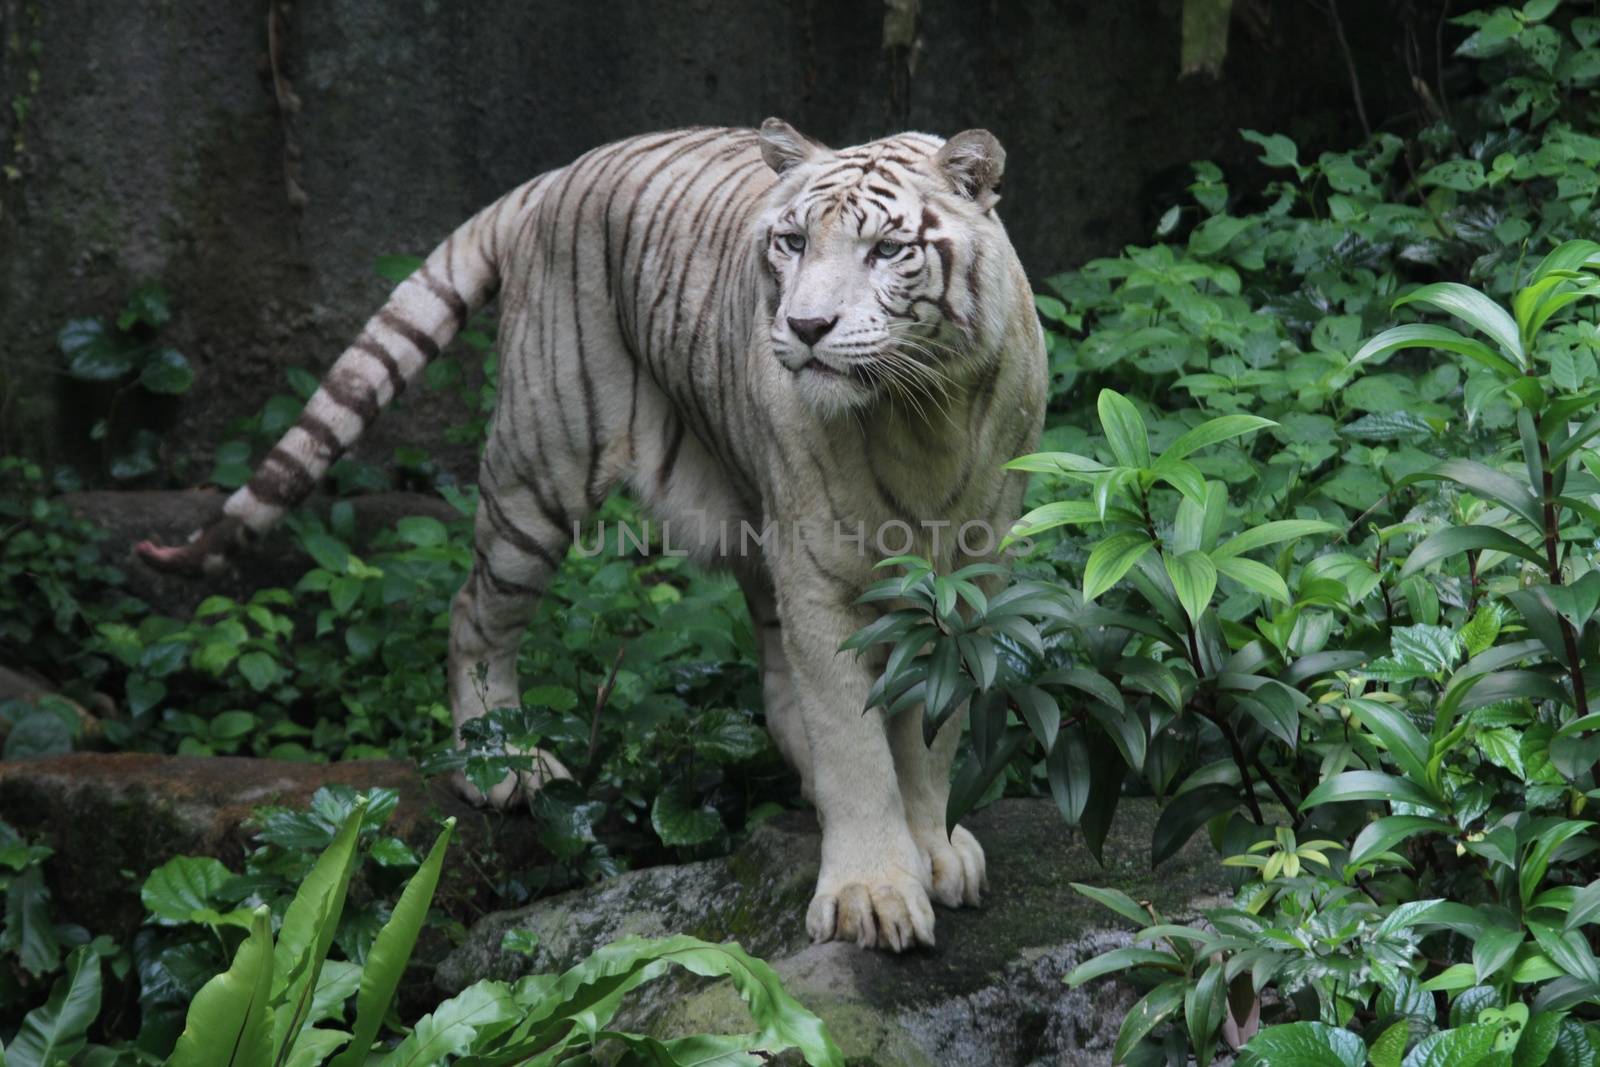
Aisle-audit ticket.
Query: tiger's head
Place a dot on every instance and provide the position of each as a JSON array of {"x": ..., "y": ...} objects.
[{"x": 888, "y": 262}]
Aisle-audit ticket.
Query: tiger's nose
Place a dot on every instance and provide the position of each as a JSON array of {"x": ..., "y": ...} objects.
[{"x": 812, "y": 330}]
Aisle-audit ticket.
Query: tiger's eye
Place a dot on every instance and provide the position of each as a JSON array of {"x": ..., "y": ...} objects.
[
  {"x": 794, "y": 242},
  {"x": 887, "y": 249}
]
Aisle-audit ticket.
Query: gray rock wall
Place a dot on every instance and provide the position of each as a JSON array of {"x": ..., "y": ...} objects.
[{"x": 153, "y": 148}]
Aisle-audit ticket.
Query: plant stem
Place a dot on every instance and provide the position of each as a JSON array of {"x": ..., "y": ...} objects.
[
  {"x": 1552, "y": 553},
  {"x": 1472, "y": 572},
  {"x": 1278, "y": 791},
  {"x": 1243, "y": 763},
  {"x": 601, "y": 695},
  {"x": 1350, "y": 67}
]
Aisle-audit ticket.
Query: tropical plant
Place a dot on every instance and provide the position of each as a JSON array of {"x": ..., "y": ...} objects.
[
  {"x": 1450, "y": 755},
  {"x": 265, "y": 1009}
]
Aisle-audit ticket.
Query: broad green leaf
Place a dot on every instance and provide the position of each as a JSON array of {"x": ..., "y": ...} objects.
[
  {"x": 1480, "y": 631},
  {"x": 1213, "y": 432},
  {"x": 1271, "y": 533},
  {"x": 1194, "y": 578},
  {"x": 1539, "y": 1039},
  {"x": 1456, "y": 977},
  {"x": 450, "y": 1028},
  {"x": 978, "y": 653},
  {"x": 1454, "y": 539},
  {"x": 1390, "y": 1046},
  {"x": 259, "y": 669},
  {"x": 1182, "y": 476},
  {"x": 1153, "y": 678},
  {"x": 57, "y": 1030},
  {"x": 1203, "y": 1008},
  {"x": 1180, "y": 819},
  {"x": 1421, "y": 335},
  {"x": 1255, "y": 576},
  {"x": 1304, "y": 1045},
  {"x": 1462, "y": 175},
  {"x": 314, "y": 1045},
  {"x": 391, "y": 951},
  {"x": 1067, "y": 768},
  {"x": 183, "y": 890},
  {"x": 1216, "y": 233},
  {"x": 1484, "y": 481},
  {"x": 93, "y": 354},
  {"x": 29, "y": 931},
  {"x": 229, "y": 1023},
  {"x": 1473, "y": 308},
  {"x": 1465, "y": 1046},
  {"x": 698, "y": 1050},
  {"x": 166, "y": 371},
  {"x": 1055, "y": 463},
  {"x": 308, "y": 927},
  {"x": 1153, "y": 1009},
  {"x": 679, "y": 821},
  {"x": 1383, "y": 834},
  {"x": 1458, "y": 917},
  {"x": 1124, "y": 429},
  {"x": 1538, "y": 858},
  {"x": 1055, "y": 514},
  {"x": 1565, "y": 257},
  {"x": 1368, "y": 785},
  {"x": 1121, "y": 960},
  {"x": 1117, "y": 901},
  {"x": 1125, "y": 730},
  {"x": 1277, "y": 150},
  {"x": 1397, "y": 733},
  {"x": 592, "y": 987},
  {"x": 1585, "y": 907},
  {"x": 424, "y": 531},
  {"x": 1492, "y": 950},
  {"x": 1111, "y": 559}
]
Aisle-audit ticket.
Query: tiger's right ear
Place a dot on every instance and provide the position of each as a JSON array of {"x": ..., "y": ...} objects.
[{"x": 783, "y": 146}]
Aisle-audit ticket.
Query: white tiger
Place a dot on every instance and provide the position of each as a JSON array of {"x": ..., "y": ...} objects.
[{"x": 745, "y": 327}]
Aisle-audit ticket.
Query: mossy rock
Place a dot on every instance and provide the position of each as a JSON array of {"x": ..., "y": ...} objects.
[{"x": 990, "y": 992}]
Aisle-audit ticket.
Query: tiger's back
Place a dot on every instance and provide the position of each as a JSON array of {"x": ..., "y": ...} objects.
[{"x": 627, "y": 302}]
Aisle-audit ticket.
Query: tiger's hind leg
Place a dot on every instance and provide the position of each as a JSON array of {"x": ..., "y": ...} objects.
[
  {"x": 520, "y": 539},
  {"x": 779, "y": 704}
]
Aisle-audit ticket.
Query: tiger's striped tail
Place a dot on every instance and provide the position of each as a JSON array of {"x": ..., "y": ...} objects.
[{"x": 419, "y": 319}]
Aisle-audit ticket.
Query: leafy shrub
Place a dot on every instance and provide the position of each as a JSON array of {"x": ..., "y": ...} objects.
[
  {"x": 261, "y": 988},
  {"x": 350, "y": 664},
  {"x": 1329, "y": 599},
  {"x": 127, "y": 354}
]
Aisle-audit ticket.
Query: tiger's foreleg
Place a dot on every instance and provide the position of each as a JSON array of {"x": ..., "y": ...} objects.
[
  {"x": 516, "y": 550},
  {"x": 955, "y": 859},
  {"x": 874, "y": 882},
  {"x": 960, "y": 874}
]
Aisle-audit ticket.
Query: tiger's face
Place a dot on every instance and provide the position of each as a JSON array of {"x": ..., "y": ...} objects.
[{"x": 877, "y": 258}]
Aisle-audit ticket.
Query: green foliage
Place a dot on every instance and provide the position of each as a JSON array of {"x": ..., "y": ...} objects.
[
  {"x": 271, "y": 995},
  {"x": 57, "y": 1031},
  {"x": 1323, "y": 584},
  {"x": 127, "y": 355},
  {"x": 350, "y": 664},
  {"x": 1424, "y": 686}
]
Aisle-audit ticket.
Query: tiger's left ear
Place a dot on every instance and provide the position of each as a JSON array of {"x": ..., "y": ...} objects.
[
  {"x": 784, "y": 147},
  {"x": 973, "y": 161}
]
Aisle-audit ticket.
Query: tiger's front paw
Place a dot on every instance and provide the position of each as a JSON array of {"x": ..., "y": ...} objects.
[
  {"x": 889, "y": 911},
  {"x": 957, "y": 865},
  {"x": 517, "y": 787}
]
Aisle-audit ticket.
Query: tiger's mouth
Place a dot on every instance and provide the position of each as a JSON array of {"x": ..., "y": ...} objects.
[{"x": 856, "y": 371}]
